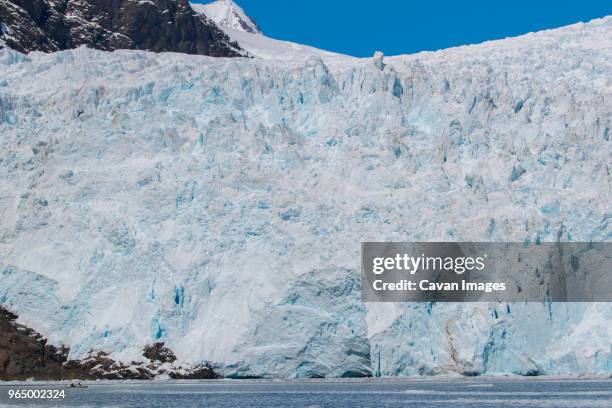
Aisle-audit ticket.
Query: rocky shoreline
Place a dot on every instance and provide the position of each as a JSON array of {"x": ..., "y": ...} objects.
[{"x": 25, "y": 354}]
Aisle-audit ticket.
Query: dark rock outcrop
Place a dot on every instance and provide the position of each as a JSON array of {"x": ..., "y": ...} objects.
[
  {"x": 159, "y": 352},
  {"x": 153, "y": 25},
  {"x": 199, "y": 372},
  {"x": 25, "y": 354}
]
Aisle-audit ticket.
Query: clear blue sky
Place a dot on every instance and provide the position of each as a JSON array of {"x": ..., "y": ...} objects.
[{"x": 360, "y": 27}]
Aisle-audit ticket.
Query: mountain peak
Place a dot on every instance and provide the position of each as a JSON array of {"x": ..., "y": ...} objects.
[{"x": 228, "y": 14}]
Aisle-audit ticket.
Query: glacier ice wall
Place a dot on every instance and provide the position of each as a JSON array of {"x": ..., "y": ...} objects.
[{"x": 218, "y": 205}]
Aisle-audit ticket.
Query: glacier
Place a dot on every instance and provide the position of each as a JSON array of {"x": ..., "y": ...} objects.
[{"x": 218, "y": 205}]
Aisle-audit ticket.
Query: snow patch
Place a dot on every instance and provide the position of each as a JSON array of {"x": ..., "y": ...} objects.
[
  {"x": 228, "y": 14},
  {"x": 243, "y": 30},
  {"x": 266, "y": 48}
]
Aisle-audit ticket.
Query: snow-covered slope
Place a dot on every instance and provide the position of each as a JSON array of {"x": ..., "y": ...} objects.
[
  {"x": 262, "y": 47},
  {"x": 227, "y": 14},
  {"x": 243, "y": 30},
  {"x": 218, "y": 205}
]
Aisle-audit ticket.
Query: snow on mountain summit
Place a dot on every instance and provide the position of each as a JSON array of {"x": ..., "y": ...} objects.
[
  {"x": 242, "y": 29},
  {"x": 228, "y": 14}
]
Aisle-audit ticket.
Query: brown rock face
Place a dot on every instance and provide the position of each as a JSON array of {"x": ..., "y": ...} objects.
[
  {"x": 159, "y": 352},
  {"x": 25, "y": 354},
  {"x": 153, "y": 25}
]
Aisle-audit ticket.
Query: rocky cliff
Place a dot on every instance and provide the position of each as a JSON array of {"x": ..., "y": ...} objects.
[
  {"x": 25, "y": 354},
  {"x": 153, "y": 25}
]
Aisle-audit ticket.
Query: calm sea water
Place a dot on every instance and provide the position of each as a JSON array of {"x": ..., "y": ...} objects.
[{"x": 472, "y": 393}]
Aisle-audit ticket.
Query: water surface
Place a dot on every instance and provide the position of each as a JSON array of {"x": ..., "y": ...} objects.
[{"x": 422, "y": 393}]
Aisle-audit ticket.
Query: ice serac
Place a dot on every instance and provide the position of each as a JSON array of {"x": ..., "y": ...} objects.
[
  {"x": 228, "y": 14},
  {"x": 218, "y": 205},
  {"x": 152, "y": 25}
]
